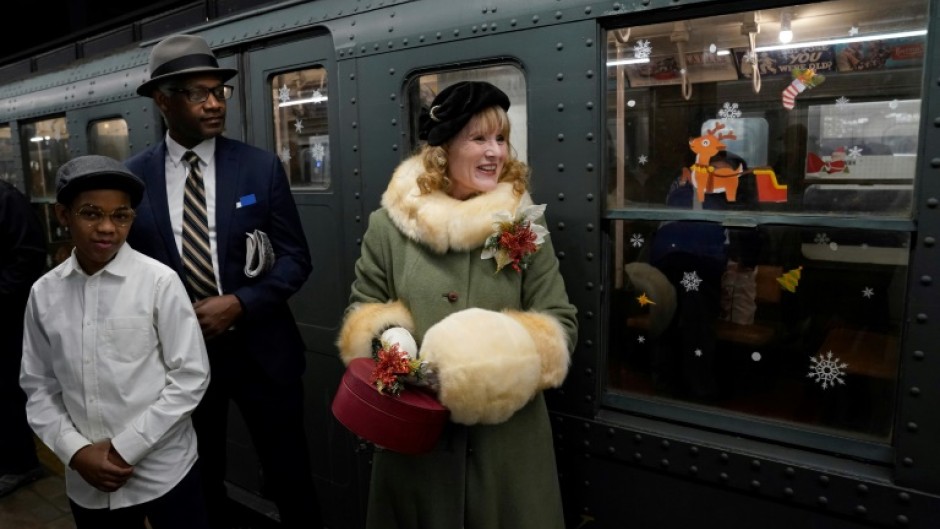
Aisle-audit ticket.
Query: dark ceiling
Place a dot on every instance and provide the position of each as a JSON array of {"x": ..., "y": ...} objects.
[{"x": 51, "y": 24}]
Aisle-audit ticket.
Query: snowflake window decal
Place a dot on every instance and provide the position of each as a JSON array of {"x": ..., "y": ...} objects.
[
  {"x": 636, "y": 240},
  {"x": 842, "y": 102},
  {"x": 823, "y": 369},
  {"x": 643, "y": 159},
  {"x": 868, "y": 292},
  {"x": 821, "y": 238},
  {"x": 729, "y": 111},
  {"x": 855, "y": 152},
  {"x": 691, "y": 281},
  {"x": 641, "y": 339},
  {"x": 285, "y": 154},
  {"x": 283, "y": 93},
  {"x": 642, "y": 49},
  {"x": 318, "y": 152}
]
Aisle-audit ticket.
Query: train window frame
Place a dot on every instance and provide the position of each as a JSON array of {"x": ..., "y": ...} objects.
[
  {"x": 721, "y": 84},
  {"x": 509, "y": 77},
  {"x": 307, "y": 164}
]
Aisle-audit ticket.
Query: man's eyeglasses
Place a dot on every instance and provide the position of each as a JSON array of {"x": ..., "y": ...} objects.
[
  {"x": 94, "y": 216},
  {"x": 199, "y": 95}
]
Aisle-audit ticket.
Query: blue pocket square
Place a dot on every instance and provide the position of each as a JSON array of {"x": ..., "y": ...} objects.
[{"x": 246, "y": 200}]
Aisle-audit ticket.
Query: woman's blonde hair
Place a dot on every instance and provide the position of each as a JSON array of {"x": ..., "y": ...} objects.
[{"x": 435, "y": 177}]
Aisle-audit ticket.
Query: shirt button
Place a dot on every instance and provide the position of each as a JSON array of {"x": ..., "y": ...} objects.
[{"x": 452, "y": 296}]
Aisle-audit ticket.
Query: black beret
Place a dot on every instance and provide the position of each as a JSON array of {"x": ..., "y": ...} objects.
[
  {"x": 93, "y": 171},
  {"x": 453, "y": 108}
]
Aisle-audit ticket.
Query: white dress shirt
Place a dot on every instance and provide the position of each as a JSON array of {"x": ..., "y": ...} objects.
[{"x": 116, "y": 355}]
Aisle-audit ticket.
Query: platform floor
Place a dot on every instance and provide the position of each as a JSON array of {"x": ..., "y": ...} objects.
[{"x": 43, "y": 504}]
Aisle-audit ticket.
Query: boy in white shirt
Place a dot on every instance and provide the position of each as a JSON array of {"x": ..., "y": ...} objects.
[{"x": 114, "y": 363}]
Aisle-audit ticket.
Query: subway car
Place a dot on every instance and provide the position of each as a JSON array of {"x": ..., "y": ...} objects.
[{"x": 744, "y": 197}]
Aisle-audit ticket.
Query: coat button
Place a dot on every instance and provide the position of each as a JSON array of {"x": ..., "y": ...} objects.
[{"x": 452, "y": 296}]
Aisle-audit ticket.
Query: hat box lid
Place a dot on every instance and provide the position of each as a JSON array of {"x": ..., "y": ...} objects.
[{"x": 410, "y": 422}]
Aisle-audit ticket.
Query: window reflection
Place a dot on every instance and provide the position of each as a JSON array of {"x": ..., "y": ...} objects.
[
  {"x": 797, "y": 324},
  {"x": 301, "y": 131},
  {"x": 45, "y": 148},
  {"x": 108, "y": 137},
  {"x": 8, "y": 172}
]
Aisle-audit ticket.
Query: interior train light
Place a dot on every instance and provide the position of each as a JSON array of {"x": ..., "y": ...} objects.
[
  {"x": 845, "y": 40},
  {"x": 628, "y": 61},
  {"x": 786, "y": 34}
]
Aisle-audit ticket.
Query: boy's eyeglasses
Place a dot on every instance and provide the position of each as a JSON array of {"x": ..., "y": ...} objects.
[
  {"x": 199, "y": 95},
  {"x": 94, "y": 216}
]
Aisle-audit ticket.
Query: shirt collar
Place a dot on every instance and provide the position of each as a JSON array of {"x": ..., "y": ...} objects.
[
  {"x": 175, "y": 151},
  {"x": 119, "y": 266}
]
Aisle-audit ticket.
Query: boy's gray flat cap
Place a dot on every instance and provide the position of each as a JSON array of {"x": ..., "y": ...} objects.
[{"x": 91, "y": 172}]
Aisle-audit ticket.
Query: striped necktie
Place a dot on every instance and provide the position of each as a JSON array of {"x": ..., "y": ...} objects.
[{"x": 197, "y": 259}]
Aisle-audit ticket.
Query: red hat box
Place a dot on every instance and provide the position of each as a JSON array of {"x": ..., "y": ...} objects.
[{"x": 409, "y": 423}]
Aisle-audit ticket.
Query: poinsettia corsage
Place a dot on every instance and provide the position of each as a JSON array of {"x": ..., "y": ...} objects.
[
  {"x": 516, "y": 239},
  {"x": 394, "y": 368}
]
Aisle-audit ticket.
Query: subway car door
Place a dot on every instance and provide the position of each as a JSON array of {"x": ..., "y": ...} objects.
[{"x": 290, "y": 109}]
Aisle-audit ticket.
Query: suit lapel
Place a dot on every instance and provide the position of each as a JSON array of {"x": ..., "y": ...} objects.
[
  {"x": 155, "y": 177},
  {"x": 227, "y": 183}
]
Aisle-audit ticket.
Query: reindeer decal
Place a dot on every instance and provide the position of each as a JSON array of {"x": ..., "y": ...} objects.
[
  {"x": 709, "y": 179},
  {"x": 703, "y": 175}
]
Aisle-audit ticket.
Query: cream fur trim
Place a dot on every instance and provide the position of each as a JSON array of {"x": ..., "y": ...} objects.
[
  {"x": 551, "y": 343},
  {"x": 487, "y": 364},
  {"x": 440, "y": 221},
  {"x": 364, "y": 321}
]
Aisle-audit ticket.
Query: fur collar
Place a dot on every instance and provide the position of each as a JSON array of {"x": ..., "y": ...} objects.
[{"x": 437, "y": 220}]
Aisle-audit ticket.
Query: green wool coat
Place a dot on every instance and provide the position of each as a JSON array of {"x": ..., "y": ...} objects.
[{"x": 421, "y": 263}]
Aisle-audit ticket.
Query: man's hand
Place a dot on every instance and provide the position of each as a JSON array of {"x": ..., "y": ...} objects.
[
  {"x": 101, "y": 466},
  {"x": 217, "y": 313}
]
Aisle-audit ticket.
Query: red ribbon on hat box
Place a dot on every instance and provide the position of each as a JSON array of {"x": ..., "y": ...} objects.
[{"x": 410, "y": 422}]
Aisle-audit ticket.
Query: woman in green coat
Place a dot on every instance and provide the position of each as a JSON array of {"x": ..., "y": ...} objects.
[{"x": 459, "y": 259}]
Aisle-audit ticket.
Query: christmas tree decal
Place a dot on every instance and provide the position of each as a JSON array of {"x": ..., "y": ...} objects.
[{"x": 790, "y": 279}]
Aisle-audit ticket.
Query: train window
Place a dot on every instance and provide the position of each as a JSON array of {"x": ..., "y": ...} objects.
[
  {"x": 45, "y": 145},
  {"x": 510, "y": 79},
  {"x": 109, "y": 137},
  {"x": 760, "y": 213},
  {"x": 301, "y": 129},
  {"x": 8, "y": 172}
]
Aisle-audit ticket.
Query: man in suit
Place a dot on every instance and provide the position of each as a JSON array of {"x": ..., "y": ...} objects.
[
  {"x": 22, "y": 261},
  {"x": 205, "y": 193}
]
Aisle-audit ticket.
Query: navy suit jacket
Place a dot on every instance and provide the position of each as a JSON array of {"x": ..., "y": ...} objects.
[{"x": 267, "y": 325}]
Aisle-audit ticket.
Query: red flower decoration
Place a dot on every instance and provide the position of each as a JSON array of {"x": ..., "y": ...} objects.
[
  {"x": 392, "y": 367},
  {"x": 519, "y": 242},
  {"x": 516, "y": 239}
]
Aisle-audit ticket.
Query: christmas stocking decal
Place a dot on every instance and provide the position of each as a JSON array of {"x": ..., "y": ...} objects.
[{"x": 802, "y": 79}]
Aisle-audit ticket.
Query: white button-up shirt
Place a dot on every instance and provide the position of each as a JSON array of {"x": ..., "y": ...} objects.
[{"x": 116, "y": 355}]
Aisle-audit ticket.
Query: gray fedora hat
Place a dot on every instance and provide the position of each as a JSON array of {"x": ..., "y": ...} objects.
[
  {"x": 181, "y": 55},
  {"x": 92, "y": 171}
]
